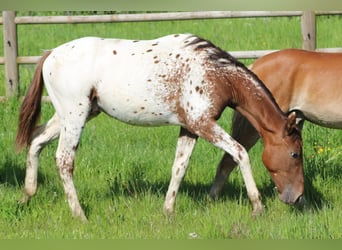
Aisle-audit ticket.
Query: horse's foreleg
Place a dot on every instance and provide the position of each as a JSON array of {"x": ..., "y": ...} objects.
[
  {"x": 71, "y": 131},
  {"x": 247, "y": 136},
  {"x": 225, "y": 167},
  {"x": 218, "y": 137},
  {"x": 42, "y": 136},
  {"x": 185, "y": 146}
]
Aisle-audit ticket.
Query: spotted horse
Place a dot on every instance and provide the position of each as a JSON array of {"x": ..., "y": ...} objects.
[{"x": 178, "y": 79}]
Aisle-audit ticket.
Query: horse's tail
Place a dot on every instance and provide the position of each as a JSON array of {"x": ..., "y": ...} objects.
[{"x": 31, "y": 107}]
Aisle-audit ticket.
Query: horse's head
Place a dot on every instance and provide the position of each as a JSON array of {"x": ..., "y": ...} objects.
[{"x": 283, "y": 158}]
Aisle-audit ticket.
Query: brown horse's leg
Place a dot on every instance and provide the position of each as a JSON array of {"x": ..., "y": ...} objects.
[
  {"x": 42, "y": 136},
  {"x": 247, "y": 136},
  {"x": 185, "y": 146}
]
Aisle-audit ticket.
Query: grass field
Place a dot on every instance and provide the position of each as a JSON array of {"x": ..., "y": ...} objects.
[{"x": 122, "y": 172}]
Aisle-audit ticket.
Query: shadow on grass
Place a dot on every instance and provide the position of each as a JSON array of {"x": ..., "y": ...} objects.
[
  {"x": 13, "y": 174},
  {"x": 137, "y": 185},
  {"x": 315, "y": 199}
]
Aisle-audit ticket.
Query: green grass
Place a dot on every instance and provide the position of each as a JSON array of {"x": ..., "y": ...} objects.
[{"x": 122, "y": 172}]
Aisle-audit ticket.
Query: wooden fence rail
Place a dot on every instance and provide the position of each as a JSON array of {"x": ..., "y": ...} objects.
[{"x": 11, "y": 60}]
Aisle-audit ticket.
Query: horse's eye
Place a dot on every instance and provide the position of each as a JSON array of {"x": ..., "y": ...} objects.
[{"x": 294, "y": 155}]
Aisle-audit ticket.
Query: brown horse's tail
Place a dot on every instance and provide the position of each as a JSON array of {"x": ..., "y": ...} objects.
[{"x": 31, "y": 106}]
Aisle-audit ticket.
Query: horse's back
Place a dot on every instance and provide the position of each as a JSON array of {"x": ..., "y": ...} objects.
[
  {"x": 114, "y": 58},
  {"x": 298, "y": 61},
  {"x": 135, "y": 81},
  {"x": 306, "y": 81}
]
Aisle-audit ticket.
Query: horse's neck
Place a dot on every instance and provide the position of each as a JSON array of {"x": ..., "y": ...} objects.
[
  {"x": 256, "y": 103},
  {"x": 263, "y": 118}
]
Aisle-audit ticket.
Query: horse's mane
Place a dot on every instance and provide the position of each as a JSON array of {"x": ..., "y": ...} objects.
[
  {"x": 223, "y": 58},
  {"x": 215, "y": 53}
]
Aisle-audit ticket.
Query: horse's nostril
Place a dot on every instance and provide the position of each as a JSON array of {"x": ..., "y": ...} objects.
[{"x": 300, "y": 200}]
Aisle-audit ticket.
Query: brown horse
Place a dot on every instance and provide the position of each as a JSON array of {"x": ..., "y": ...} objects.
[
  {"x": 309, "y": 83},
  {"x": 173, "y": 80}
]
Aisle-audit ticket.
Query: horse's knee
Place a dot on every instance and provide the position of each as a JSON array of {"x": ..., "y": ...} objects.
[{"x": 241, "y": 157}]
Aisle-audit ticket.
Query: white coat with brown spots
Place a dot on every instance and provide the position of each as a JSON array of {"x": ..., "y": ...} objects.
[{"x": 172, "y": 80}]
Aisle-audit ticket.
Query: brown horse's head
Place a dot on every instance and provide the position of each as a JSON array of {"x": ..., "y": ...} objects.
[{"x": 284, "y": 160}]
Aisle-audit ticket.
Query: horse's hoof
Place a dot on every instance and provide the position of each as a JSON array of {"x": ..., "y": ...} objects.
[
  {"x": 81, "y": 217},
  {"x": 213, "y": 195},
  {"x": 24, "y": 200},
  {"x": 168, "y": 212},
  {"x": 258, "y": 211}
]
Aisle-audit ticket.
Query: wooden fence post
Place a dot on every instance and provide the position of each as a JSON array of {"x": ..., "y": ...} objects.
[
  {"x": 308, "y": 23},
  {"x": 11, "y": 53}
]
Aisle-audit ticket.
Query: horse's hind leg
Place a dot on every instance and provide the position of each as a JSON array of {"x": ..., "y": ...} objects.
[
  {"x": 185, "y": 146},
  {"x": 71, "y": 129},
  {"x": 42, "y": 136},
  {"x": 212, "y": 132},
  {"x": 247, "y": 136}
]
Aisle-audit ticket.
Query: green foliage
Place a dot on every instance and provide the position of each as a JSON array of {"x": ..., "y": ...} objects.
[{"x": 122, "y": 172}]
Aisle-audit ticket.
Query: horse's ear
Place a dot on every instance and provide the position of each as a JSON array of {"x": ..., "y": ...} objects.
[{"x": 291, "y": 123}]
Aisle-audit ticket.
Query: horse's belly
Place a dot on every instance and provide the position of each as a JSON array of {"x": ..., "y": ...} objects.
[
  {"x": 319, "y": 104},
  {"x": 143, "y": 116},
  {"x": 137, "y": 106},
  {"x": 327, "y": 117}
]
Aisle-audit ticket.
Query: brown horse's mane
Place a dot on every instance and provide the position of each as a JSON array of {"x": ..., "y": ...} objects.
[{"x": 216, "y": 54}]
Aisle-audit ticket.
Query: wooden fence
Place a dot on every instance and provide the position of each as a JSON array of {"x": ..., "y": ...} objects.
[{"x": 11, "y": 60}]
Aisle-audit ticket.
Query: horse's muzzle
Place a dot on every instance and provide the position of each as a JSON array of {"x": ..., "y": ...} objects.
[{"x": 288, "y": 196}]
